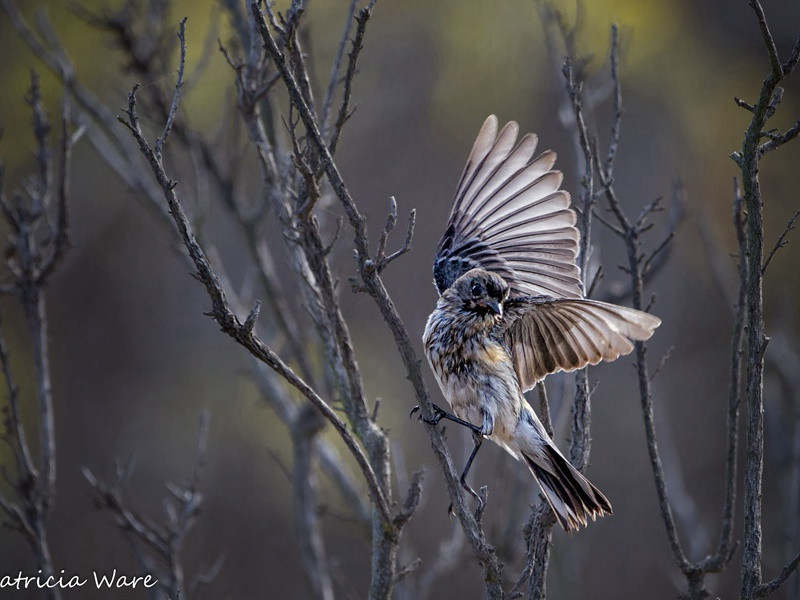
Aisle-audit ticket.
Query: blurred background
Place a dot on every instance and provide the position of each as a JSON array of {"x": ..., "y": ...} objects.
[{"x": 135, "y": 361}]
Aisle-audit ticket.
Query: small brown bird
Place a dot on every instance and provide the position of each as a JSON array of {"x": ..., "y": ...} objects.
[{"x": 511, "y": 310}]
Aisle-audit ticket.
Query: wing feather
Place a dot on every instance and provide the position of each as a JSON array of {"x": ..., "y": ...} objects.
[
  {"x": 491, "y": 162},
  {"x": 510, "y": 217},
  {"x": 545, "y": 335}
]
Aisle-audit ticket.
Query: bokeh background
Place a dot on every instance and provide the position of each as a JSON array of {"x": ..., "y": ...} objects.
[{"x": 135, "y": 361}]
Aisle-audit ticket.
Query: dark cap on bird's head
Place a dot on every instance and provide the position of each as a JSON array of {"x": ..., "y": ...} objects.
[{"x": 481, "y": 291}]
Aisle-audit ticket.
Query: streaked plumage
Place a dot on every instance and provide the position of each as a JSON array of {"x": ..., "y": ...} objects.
[{"x": 511, "y": 309}]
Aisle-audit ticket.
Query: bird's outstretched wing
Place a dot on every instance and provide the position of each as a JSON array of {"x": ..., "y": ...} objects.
[
  {"x": 511, "y": 218},
  {"x": 546, "y": 335}
]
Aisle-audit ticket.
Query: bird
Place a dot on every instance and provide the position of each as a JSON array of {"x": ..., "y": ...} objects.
[{"x": 512, "y": 310}]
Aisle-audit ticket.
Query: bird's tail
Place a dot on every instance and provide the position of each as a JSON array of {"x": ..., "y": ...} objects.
[{"x": 572, "y": 497}]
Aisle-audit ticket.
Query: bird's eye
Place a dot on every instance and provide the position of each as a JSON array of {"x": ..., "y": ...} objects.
[{"x": 477, "y": 289}]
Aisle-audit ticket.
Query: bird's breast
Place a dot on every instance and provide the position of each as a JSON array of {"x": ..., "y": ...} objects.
[{"x": 474, "y": 372}]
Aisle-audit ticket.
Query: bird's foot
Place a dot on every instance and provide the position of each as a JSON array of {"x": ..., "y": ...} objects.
[
  {"x": 438, "y": 415},
  {"x": 479, "y": 497}
]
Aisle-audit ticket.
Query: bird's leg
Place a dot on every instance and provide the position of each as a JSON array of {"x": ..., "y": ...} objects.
[
  {"x": 439, "y": 414},
  {"x": 477, "y": 438},
  {"x": 488, "y": 423}
]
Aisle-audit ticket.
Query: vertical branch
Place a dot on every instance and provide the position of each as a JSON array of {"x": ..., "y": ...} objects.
[
  {"x": 726, "y": 547},
  {"x": 307, "y": 424},
  {"x": 748, "y": 161},
  {"x": 34, "y": 306},
  {"x": 344, "y": 109},
  {"x": 542, "y": 523},
  {"x": 631, "y": 231},
  {"x": 32, "y": 299},
  {"x": 333, "y": 82},
  {"x": 33, "y": 253},
  {"x": 14, "y": 427},
  {"x": 539, "y": 527},
  {"x": 173, "y": 110},
  {"x": 574, "y": 89},
  {"x": 756, "y": 345},
  {"x": 580, "y": 438}
]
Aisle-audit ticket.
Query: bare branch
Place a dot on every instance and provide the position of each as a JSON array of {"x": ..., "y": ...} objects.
[
  {"x": 61, "y": 238},
  {"x": 573, "y": 88},
  {"x": 615, "y": 127},
  {"x": 222, "y": 313},
  {"x": 381, "y": 261},
  {"x": 110, "y": 498},
  {"x": 771, "y": 586},
  {"x": 777, "y": 96},
  {"x": 743, "y": 104},
  {"x": 656, "y": 252},
  {"x": 727, "y": 546},
  {"x": 352, "y": 61},
  {"x": 537, "y": 533},
  {"x": 305, "y": 427},
  {"x": 164, "y": 540},
  {"x": 611, "y": 227},
  {"x": 794, "y": 57},
  {"x": 768, "y": 41},
  {"x": 333, "y": 82},
  {"x": 250, "y": 322},
  {"x": 159, "y": 145},
  {"x": 598, "y": 276},
  {"x": 413, "y": 497},
  {"x": 748, "y": 160},
  {"x": 544, "y": 408},
  {"x": 777, "y": 140},
  {"x": 14, "y": 433},
  {"x": 635, "y": 270},
  {"x": 782, "y": 241}
]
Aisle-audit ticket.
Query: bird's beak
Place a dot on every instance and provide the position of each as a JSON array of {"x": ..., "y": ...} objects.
[{"x": 495, "y": 307}]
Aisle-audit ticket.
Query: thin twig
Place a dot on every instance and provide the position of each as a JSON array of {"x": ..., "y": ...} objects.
[
  {"x": 771, "y": 586},
  {"x": 617, "y": 122},
  {"x": 333, "y": 82},
  {"x": 782, "y": 241},
  {"x": 726, "y": 547},
  {"x": 159, "y": 145},
  {"x": 777, "y": 140},
  {"x": 777, "y": 70},
  {"x": 352, "y": 62}
]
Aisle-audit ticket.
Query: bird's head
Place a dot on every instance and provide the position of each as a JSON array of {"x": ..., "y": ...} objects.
[{"x": 481, "y": 292}]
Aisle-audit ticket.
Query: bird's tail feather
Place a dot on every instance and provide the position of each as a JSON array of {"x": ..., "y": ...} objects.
[{"x": 572, "y": 497}]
